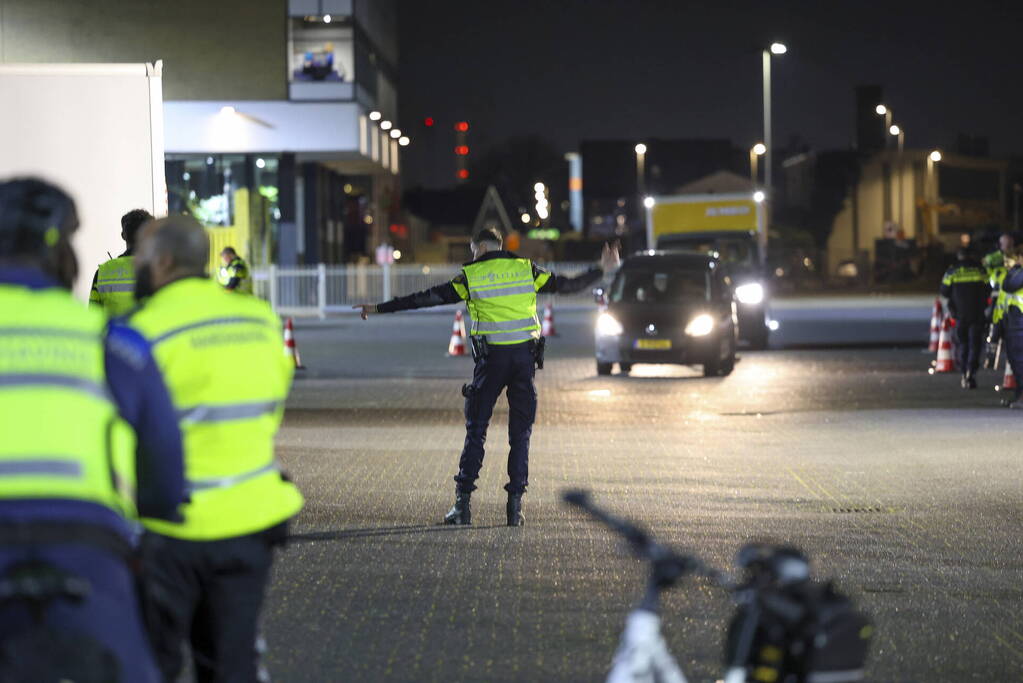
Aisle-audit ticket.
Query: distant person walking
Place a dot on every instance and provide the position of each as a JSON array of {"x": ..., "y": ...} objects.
[{"x": 966, "y": 287}]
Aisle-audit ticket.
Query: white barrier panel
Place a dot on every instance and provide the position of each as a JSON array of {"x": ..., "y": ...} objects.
[{"x": 322, "y": 290}]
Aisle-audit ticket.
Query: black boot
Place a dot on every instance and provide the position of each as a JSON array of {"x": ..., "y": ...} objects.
[
  {"x": 514, "y": 509},
  {"x": 461, "y": 513},
  {"x": 971, "y": 381}
]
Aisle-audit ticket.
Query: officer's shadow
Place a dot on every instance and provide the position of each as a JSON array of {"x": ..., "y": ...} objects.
[{"x": 346, "y": 534}]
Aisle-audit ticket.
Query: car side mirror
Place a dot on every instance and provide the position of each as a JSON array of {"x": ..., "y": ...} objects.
[{"x": 599, "y": 295}]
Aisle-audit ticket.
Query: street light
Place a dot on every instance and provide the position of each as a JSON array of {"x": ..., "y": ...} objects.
[
  {"x": 404, "y": 140},
  {"x": 901, "y": 135},
  {"x": 754, "y": 152},
  {"x": 386, "y": 125},
  {"x": 375, "y": 116},
  {"x": 932, "y": 189},
  {"x": 759, "y": 196},
  {"x": 395, "y": 133},
  {"x": 641, "y": 169},
  {"x": 775, "y": 49},
  {"x": 649, "y": 202}
]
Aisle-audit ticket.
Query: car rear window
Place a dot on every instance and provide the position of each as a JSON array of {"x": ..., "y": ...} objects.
[{"x": 660, "y": 285}]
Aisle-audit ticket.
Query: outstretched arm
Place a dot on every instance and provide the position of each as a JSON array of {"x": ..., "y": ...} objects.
[
  {"x": 559, "y": 284},
  {"x": 439, "y": 295}
]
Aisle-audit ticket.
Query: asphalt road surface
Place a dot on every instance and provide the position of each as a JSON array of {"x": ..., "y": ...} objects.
[{"x": 901, "y": 486}]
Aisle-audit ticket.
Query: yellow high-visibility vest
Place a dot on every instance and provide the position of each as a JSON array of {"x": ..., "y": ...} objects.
[
  {"x": 501, "y": 296},
  {"x": 223, "y": 361},
  {"x": 62, "y": 435},
  {"x": 115, "y": 286}
]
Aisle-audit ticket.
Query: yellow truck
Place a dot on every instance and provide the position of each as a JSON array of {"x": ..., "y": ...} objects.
[{"x": 730, "y": 227}]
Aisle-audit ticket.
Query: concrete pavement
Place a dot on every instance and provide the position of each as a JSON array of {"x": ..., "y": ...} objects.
[{"x": 900, "y": 485}]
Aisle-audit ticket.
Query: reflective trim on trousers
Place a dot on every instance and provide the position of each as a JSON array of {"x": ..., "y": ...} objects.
[
  {"x": 61, "y": 381},
  {"x": 41, "y": 467},
  {"x": 226, "y": 413},
  {"x": 502, "y": 291},
  {"x": 204, "y": 323},
  {"x": 224, "y": 482},
  {"x": 504, "y": 325},
  {"x": 118, "y": 287}
]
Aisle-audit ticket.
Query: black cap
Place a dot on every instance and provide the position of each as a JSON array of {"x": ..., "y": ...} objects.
[{"x": 34, "y": 215}]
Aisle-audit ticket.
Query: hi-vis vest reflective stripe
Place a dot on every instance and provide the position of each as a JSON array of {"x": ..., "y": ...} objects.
[
  {"x": 236, "y": 268},
  {"x": 964, "y": 275},
  {"x": 221, "y": 357},
  {"x": 62, "y": 437},
  {"x": 1001, "y": 298},
  {"x": 115, "y": 286},
  {"x": 501, "y": 296}
]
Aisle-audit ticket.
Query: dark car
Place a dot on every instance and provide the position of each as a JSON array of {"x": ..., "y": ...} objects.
[
  {"x": 668, "y": 307},
  {"x": 739, "y": 256}
]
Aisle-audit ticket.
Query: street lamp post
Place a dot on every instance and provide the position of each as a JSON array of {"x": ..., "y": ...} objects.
[
  {"x": 774, "y": 49},
  {"x": 932, "y": 182},
  {"x": 901, "y": 135},
  {"x": 641, "y": 169},
  {"x": 754, "y": 156},
  {"x": 884, "y": 111}
]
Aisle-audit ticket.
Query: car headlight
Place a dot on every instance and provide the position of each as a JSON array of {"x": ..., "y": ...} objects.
[
  {"x": 607, "y": 326},
  {"x": 700, "y": 326},
  {"x": 750, "y": 293}
]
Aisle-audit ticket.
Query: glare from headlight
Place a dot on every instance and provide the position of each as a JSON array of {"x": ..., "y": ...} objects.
[
  {"x": 700, "y": 326},
  {"x": 750, "y": 293},
  {"x": 607, "y": 326}
]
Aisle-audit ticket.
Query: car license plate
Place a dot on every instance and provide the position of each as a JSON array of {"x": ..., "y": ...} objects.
[{"x": 653, "y": 344}]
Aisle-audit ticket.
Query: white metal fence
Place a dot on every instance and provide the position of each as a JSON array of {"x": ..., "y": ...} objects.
[{"x": 322, "y": 290}]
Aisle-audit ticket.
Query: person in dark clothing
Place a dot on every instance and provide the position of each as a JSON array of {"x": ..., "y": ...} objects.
[
  {"x": 500, "y": 290},
  {"x": 1013, "y": 324},
  {"x": 967, "y": 289}
]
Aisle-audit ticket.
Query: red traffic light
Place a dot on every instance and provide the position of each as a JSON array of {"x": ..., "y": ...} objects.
[
  {"x": 462, "y": 150},
  {"x": 428, "y": 121},
  {"x": 462, "y": 126},
  {"x": 463, "y": 173}
]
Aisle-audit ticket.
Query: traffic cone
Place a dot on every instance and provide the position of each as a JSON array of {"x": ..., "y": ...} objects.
[
  {"x": 936, "y": 317},
  {"x": 944, "y": 361},
  {"x": 547, "y": 329},
  {"x": 456, "y": 347},
  {"x": 1008, "y": 379},
  {"x": 290, "y": 347}
]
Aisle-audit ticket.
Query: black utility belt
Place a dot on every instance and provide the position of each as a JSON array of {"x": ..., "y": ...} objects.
[
  {"x": 481, "y": 348},
  {"x": 59, "y": 533}
]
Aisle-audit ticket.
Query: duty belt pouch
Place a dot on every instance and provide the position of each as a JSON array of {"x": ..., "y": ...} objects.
[
  {"x": 479, "y": 346},
  {"x": 538, "y": 346}
]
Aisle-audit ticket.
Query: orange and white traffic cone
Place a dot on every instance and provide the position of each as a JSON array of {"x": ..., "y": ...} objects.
[
  {"x": 290, "y": 347},
  {"x": 547, "y": 329},
  {"x": 1008, "y": 379},
  {"x": 936, "y": 317},
  {"x": 944, "y": 361},
  {"x": 456, "y": 347}
]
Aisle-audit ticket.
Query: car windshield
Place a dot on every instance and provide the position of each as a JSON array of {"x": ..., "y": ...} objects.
[
  {"x": 731, "y": 251},
  {"x": 660, "y": 286}
]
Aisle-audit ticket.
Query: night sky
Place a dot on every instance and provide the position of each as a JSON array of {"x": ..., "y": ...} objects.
[{"x": 571, "y": 70}]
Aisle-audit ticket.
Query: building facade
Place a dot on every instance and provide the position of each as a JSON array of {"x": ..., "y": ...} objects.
[{"x": 277, "y": 113}]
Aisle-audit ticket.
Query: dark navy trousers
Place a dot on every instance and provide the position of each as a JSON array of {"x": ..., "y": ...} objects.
[
  {"x": 1013, "y": 341},
  {"x": 969, "y": 344},
  {"x": 511, "y": 368},
  {"x": 109, "y": 614}
]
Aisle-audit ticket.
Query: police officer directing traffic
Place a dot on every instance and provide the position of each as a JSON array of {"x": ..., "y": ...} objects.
[
  {"x": 966, "y": 287},
  {"x": 73, "y": 404},
  {"x": 113, "y": 285},
  {"x": 206, "y": 576},
  {"x": 500, "y": 290},
  {"x": 234, "y": 274}
]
